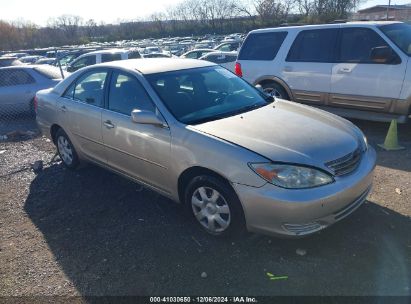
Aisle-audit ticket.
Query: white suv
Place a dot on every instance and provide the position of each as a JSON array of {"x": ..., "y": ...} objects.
[
  {"x": 102, "y": 56},
  {"x": 358, "y": 70}
]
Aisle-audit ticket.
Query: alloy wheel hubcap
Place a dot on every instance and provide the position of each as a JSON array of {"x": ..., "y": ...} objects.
[
  {"x": 273, "y": 92},
  {"x": 211, "y": 209},
  {"x": 65, "y": 150}
]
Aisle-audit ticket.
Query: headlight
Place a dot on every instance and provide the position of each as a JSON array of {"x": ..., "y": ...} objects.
[{"x": 291, "y": 176}]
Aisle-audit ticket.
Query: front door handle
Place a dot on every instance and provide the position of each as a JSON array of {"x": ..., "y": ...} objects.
[
  {"x": 109, "y": 124},
  {"x": 288, "y": 68},
  {"x": 63, "y": 108}
]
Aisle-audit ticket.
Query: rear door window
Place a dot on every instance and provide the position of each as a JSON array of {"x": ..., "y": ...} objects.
[
  {"x": 110, "y": 57},
  {"x": 13, "y": 77},
  {"x": 262, "y": 46},
  {"x": 314, "y": 46},
  {"x": 193, "y": 55},
  {"x": 90, "y": 88}
]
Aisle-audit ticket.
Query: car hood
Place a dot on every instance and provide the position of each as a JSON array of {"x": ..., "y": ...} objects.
[{"x": 287, "y": 132}]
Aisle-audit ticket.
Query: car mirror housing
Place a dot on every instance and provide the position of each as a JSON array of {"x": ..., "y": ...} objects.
[{"x": 147, "y": 118}]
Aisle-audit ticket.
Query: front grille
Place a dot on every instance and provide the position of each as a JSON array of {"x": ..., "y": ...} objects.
[{"x": 345, "y": 164}]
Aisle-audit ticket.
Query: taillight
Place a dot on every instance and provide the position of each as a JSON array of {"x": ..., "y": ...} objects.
[
  {"x": 238, "y": 70},
  {"x": 35, "y": 104}
]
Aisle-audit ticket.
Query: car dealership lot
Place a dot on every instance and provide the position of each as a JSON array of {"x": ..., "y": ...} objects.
[{"x": 91, "y": 232}]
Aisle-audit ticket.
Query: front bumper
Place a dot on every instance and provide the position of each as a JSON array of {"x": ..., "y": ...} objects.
[{"x": 293, "y": 213}]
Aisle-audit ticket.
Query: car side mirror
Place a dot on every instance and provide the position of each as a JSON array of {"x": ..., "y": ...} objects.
[
  {"x": 70, "y": 69},
  {"x": 147, "y": 118},
  {"x": 382, "y": 54}
]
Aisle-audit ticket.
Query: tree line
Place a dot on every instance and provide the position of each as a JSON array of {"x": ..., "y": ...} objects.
[{"x": 189, "y": 17}]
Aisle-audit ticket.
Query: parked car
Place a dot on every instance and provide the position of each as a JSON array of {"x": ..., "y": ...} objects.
[
  {"x": 196, "y": 53},
  {"x": 69, "y": 57},
  {"x": 225, "y": 59},
  {"x": 102, "y": 56},
  {"x": 50, "y": 61},
  {"x": 16, "y": 55},
  {"x": 359, "y": 69},
  {"x": 235, "y": 157},
  {"x": 157, "y": 55},
  {"x": 19, "y": 84},
  {"x": 9, "y": 61},
  {"x": 228, "y": 46},
  {"x": 30, "y": 59}
]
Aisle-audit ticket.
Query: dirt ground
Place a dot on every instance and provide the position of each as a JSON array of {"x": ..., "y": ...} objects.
[{"x": 91, "y": 232}]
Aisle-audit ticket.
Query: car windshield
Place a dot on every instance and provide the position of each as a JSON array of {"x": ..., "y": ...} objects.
[
  {"x": 400, "y": 34},
  {"x": 199, "y": 95}
]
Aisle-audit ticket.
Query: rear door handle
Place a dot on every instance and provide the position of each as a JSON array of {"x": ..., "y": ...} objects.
[
  {"x": 109, "y": 124},
  {"x": 345, "y": 70},
  {"x": 63, "y": 108}
]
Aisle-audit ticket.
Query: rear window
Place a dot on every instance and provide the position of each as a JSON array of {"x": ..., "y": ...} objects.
[
  {"x": 314, "y": 46},
  {"x": 49, "y": 72},
  {"x": 110, "y": 57},
  {"x": 262, "y": 46}
]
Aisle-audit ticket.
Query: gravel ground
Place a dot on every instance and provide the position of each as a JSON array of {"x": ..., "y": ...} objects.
[{"x": 91, "y": 232}]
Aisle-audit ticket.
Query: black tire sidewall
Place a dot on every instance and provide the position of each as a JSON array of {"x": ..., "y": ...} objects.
[
  {"x": 74, "y": 164},
  {"x": 237, "y": 225}
]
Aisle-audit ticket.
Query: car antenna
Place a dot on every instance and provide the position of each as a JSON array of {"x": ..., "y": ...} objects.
[{"x": 59, "y": 63}]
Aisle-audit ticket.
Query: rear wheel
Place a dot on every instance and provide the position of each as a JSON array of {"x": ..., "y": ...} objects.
[
  {"x": 215, "y": 206},
  {"x": 276, "y": 90},
  {"x": 66, "y": 150}
]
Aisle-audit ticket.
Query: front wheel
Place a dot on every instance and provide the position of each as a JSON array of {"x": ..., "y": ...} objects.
[
  {"x": 66, "y": 150},
  {"x": 215, "y": 206}
]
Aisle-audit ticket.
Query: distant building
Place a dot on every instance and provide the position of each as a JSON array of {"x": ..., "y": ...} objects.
[{"x": 379, "y": 12}]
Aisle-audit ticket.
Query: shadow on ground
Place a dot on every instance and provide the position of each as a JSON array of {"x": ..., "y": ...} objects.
[
  {"x": 113, "y": 238},
  {"x": 18, "y": 128}
]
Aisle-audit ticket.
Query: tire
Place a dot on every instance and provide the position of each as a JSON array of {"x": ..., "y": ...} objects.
[
  {"x": 215, "y": 207},
  {"x": 276, "y": 90},
  {"x": 66, "y": 150}
]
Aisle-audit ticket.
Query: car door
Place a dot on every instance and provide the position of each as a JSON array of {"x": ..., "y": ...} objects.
[
  {"x": 17, "y": 90},
  {"x": 360, "y": 82},
  {"x": 83, "y": 113},
  {"x": 307, "y": 68},
  {"x": 140, "y": 151}
]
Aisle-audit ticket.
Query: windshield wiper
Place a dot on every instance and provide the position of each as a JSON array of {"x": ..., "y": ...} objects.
[{"x": 225, "y": 115}]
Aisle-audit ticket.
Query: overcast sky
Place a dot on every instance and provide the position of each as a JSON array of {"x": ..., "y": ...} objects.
[{"x": 39, "y": 11}]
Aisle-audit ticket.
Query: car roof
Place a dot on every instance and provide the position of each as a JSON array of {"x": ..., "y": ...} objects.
[
  {"x": 110, "y": 51},
  {"x": 28, "y": 67},
  {"x": 157, "y": 65},
  {"x": 331, "y": 25},
  {"x": 200, "y": 50}
]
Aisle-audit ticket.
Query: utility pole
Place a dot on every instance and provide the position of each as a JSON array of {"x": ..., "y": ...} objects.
[{"x": 388, "y": 8}]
